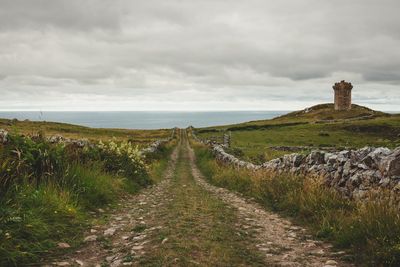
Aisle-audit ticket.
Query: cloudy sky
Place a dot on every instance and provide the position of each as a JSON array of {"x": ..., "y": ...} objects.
[{"x": 196, "y": 54}]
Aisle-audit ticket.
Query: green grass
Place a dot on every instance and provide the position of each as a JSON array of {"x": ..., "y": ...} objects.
[
  {"x": 255, "y": 139},
  {"x": 79, "y": 132},
  {"x": 47, "y": 191},
  {"x": 34, "y": 219},
  {"x": 160, "y": 161},
  {"x": 370, "y": 231},
  {"x": 327, "y": 112},
  {"x": 93, "y": 187},
  {"x": 200, "y": 228}
]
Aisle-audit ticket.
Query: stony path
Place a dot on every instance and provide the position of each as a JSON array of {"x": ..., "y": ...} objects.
[
  {"x": 184, "y": 221},
  {"x": 282, "y": 243}
]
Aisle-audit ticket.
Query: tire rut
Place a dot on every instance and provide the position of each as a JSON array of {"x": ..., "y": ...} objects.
[
  {"x": 131, "y": 237},
  {"x": 281, "y": 242}
]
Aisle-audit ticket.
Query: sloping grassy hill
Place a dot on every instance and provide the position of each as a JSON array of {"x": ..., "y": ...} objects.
[
  {"x": 315, "y": 127},
  {"x": 79, "y": 132},
  {"x": 327, "y": 112}
]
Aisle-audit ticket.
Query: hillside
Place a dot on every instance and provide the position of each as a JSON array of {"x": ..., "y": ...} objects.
[
  {"x": 315, "y": 127},
  {"x": 326, "y": 112},
  {"x": 27, "y": 127}
]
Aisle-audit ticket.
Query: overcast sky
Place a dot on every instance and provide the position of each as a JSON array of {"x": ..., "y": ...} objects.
[{"x": 197, "y": 55}]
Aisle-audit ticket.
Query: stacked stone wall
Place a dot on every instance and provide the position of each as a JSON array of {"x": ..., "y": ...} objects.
[{"x": 354, "y": 173}]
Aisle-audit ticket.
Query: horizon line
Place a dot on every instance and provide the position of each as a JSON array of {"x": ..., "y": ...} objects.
[{"x": 167, "y": 110}]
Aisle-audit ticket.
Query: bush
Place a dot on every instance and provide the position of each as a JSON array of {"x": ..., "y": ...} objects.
[
  {"x": 46, "y": 188},
  {"x": 124, "y": 159},
  {"x": 25, "y": 161}
]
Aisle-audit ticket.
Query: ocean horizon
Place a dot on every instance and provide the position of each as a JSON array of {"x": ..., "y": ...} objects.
[{"x": 143, "y": 119}]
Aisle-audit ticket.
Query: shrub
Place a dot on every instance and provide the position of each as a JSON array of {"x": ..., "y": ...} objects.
[
  {"x": 23, "y": 160},
  {"x": 124, "y": 159},
  {"x": 46, "y": 188}
]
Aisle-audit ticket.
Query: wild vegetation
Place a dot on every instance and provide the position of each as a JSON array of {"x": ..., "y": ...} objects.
[
  {"x": 46, "y": 191},
  {"x": 140, "y": 137},
  {"x": 313, "y": 128},
  {"x": 370, "y": 230},
  {"x": 49, "y": 191}
]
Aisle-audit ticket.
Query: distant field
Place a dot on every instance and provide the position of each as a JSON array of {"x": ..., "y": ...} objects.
[
  {"x": 79, "y": 132},
  {"x": 321, "y": 127}
]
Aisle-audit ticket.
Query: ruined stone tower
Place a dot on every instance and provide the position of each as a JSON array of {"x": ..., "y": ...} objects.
[{"x": 342, "y": 95}]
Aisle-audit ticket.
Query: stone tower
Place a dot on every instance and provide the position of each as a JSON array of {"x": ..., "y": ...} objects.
[{"x": 342, "y": 95}]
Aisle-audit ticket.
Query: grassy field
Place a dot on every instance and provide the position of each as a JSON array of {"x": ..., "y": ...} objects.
[
  {"x": 79, "y": 132},
  {"x": 316, "y": 127}
]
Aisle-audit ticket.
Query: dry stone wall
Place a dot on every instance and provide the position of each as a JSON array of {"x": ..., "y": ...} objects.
[{"x": 354, "y": 173}]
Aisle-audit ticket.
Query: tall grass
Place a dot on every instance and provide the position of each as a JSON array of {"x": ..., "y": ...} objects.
[
  {"x": 46, "y": 191},
  {"x": 33, "y": 219},
  {"x": 370, "y": 230},
  {"x": 160, "y": 161}
]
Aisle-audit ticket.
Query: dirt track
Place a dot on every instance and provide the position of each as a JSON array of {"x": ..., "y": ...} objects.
[{"x": 184, "y": 221}]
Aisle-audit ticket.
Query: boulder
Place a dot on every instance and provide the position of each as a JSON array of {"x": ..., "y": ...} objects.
[
  {"x": 85, "y": 142},
  {"x": 390, "y": 165},
  {"x": 374, "y": 158},
  {"x": 384, "y": 182},
  {"x": 316, "y": 157},
  {"x": 359, "y": 154},
  {"x": 347, "y": 168},
  {"x": 344, "y": 154},
  {"x": 355, "y": 180},
  {"x": 287, "y": 160},
  {"x": 362, "y": 166},
  {"x": 3, "y": 136},
  {"x": 297, "y": 160},
  {"x": 331, "y": 160},
  {"x": 55, "y": 139},
  {"x": 369, "y": 162}
]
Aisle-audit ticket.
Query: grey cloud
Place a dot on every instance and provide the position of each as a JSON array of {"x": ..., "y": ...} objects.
[
  {"x": 235, "y": 50},
  {"x": 69, "y": 14}
]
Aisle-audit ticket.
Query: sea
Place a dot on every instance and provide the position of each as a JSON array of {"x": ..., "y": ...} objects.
[{"x": 143, "y": 119}]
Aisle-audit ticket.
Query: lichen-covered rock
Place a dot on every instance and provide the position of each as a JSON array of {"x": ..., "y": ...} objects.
[
  {"x": 347, "y": 168},
  {"x": 55, "y": 139},
  {"x": 297, "y": 160},
  {"x": 316, "y": 157},
  {"x": 80, "y": 142},
  {"x": 3, "y": 136},
  {"x": 390, "y": 165}
]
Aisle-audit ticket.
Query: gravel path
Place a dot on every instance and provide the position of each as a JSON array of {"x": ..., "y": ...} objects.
[
  {"x": 282, "y": 243},
  {"x": 184, "y": 221}
]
